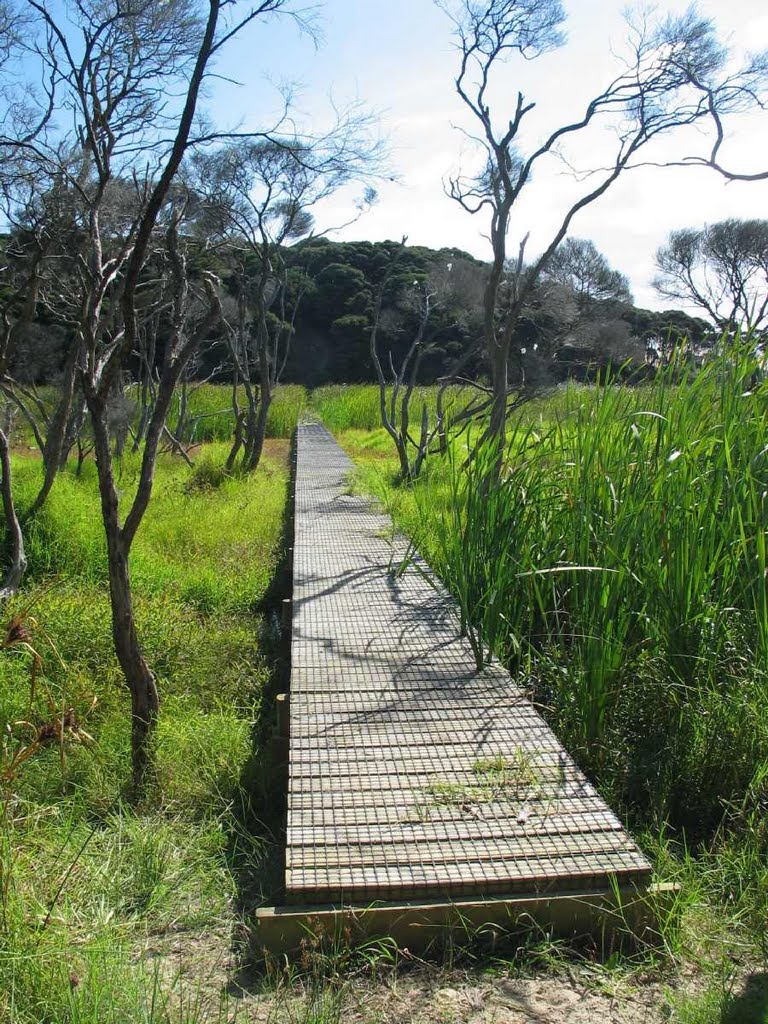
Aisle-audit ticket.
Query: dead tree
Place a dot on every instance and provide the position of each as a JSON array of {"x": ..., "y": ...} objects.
[
  {"x": 437, "y": 311},
  {"x": 675, "y": 75},
  {"x": 396, "y": 391},
  {"x": 259, "y": 342},
  {"x": 417, "y": 305},
  {"x": 256, "y": 199}
]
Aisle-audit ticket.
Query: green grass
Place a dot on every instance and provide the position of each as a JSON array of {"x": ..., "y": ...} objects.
[
  {"x": 85, "y": 880},
  {"x": 356, "y": 406},
  {"x": 347, "y": 406},
  {"x": 208, "y": 417},
  {"x": 209, "y": 412},
  {"x": 623, "y": 581}
]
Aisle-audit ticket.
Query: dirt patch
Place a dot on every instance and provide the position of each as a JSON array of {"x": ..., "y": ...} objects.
[
  {"x": 278, "y": 450},
  {"x": 452, "y": 998},
  {"x": 202, "y": 966}
]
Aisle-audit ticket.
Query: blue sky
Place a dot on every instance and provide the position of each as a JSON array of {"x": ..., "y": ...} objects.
[{"x": 397, "y": 57}]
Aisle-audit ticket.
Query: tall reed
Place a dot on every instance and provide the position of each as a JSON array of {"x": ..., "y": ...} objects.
[
  {"x": 356, "y": 406},
  {"x": 620, "y": 561}
]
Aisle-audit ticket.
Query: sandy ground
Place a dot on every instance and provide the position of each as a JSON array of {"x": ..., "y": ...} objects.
[
  {"x": 201, "y": 969},
  {"x": 552, "y": 1000}
]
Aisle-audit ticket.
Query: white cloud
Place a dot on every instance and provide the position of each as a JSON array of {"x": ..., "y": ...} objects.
[{"x": 397, "y": 55}]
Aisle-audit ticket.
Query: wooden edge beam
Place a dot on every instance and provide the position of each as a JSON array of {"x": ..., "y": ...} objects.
[
  {"x": 287, "y": 612},
  {"x": 614, "y": 916}
]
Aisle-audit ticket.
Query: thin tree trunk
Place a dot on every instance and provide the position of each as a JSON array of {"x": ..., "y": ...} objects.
[
  {"x": 177, "y": 447},
  {"x": 442, "y": 436},
  {"x": 57, "y": 432},
  {"x": 256, "y": 422},
  {"x": 260, "y": 426},
  {"x": 497, "y": 427},
  {"x": 82, "y": 451},
  {"x": 18, "y": 560},
  {"x": 237, "y": 440},
  {"x": 402, "y": 455},
  {"x": 145, "y": 699},
  {"x": 72, "y": 434},
  {"x": 250, "y": 421},
  {"x": 421, "y": 454},
  {"x": 145, "y": 401},
  {"x": 181, "y": 421}
]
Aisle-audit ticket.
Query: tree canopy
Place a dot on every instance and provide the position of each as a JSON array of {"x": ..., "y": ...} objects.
[{"x": 722, "y": 268}]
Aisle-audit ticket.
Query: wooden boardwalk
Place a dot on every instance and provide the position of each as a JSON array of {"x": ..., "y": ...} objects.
[{"x": 411, "y": 775}]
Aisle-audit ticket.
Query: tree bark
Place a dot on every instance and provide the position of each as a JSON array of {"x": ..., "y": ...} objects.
[
  {"x": 55, "y": 441},
  {"x": 18, "y": 561},
  {"x": 145, "y": 699},
  {"x": 72, "y": 433},
  {"x": 239, "y": 418},
  {"x": 260, "y": 431},
  {"x": 255, "y": 443}
]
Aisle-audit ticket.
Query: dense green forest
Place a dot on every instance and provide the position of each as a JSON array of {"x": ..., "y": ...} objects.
[
  {"x": 575, "y": 327},
  {"x": 575, "y": 324}
]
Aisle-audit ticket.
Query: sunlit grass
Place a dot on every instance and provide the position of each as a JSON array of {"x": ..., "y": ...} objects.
[
  {"x": 209, "y": 415},
  {"x": 85, "y": 879}
]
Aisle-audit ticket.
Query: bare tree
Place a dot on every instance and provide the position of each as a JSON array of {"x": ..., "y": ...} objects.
[
  {"x": 721, "y": 268},
  {"x": 128, "y": 78},
  {"x": 259, "y": 197},
  {"x": 656, "y": 94},
  {"x": 419, "y": 306},
  {"x": 396, "y": 391}
]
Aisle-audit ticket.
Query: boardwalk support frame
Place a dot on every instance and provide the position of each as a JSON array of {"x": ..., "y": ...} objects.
[{"x": 622, "y": 916}]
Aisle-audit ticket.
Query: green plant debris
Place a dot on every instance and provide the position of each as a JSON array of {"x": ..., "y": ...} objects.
[{"x": 512, "y": 779}]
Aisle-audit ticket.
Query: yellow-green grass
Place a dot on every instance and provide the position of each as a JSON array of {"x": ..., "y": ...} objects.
[
  {"x": 84, "y": 878},
  {"x": 357, "y": 406},
  {"x": 210, "y": 417}
]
